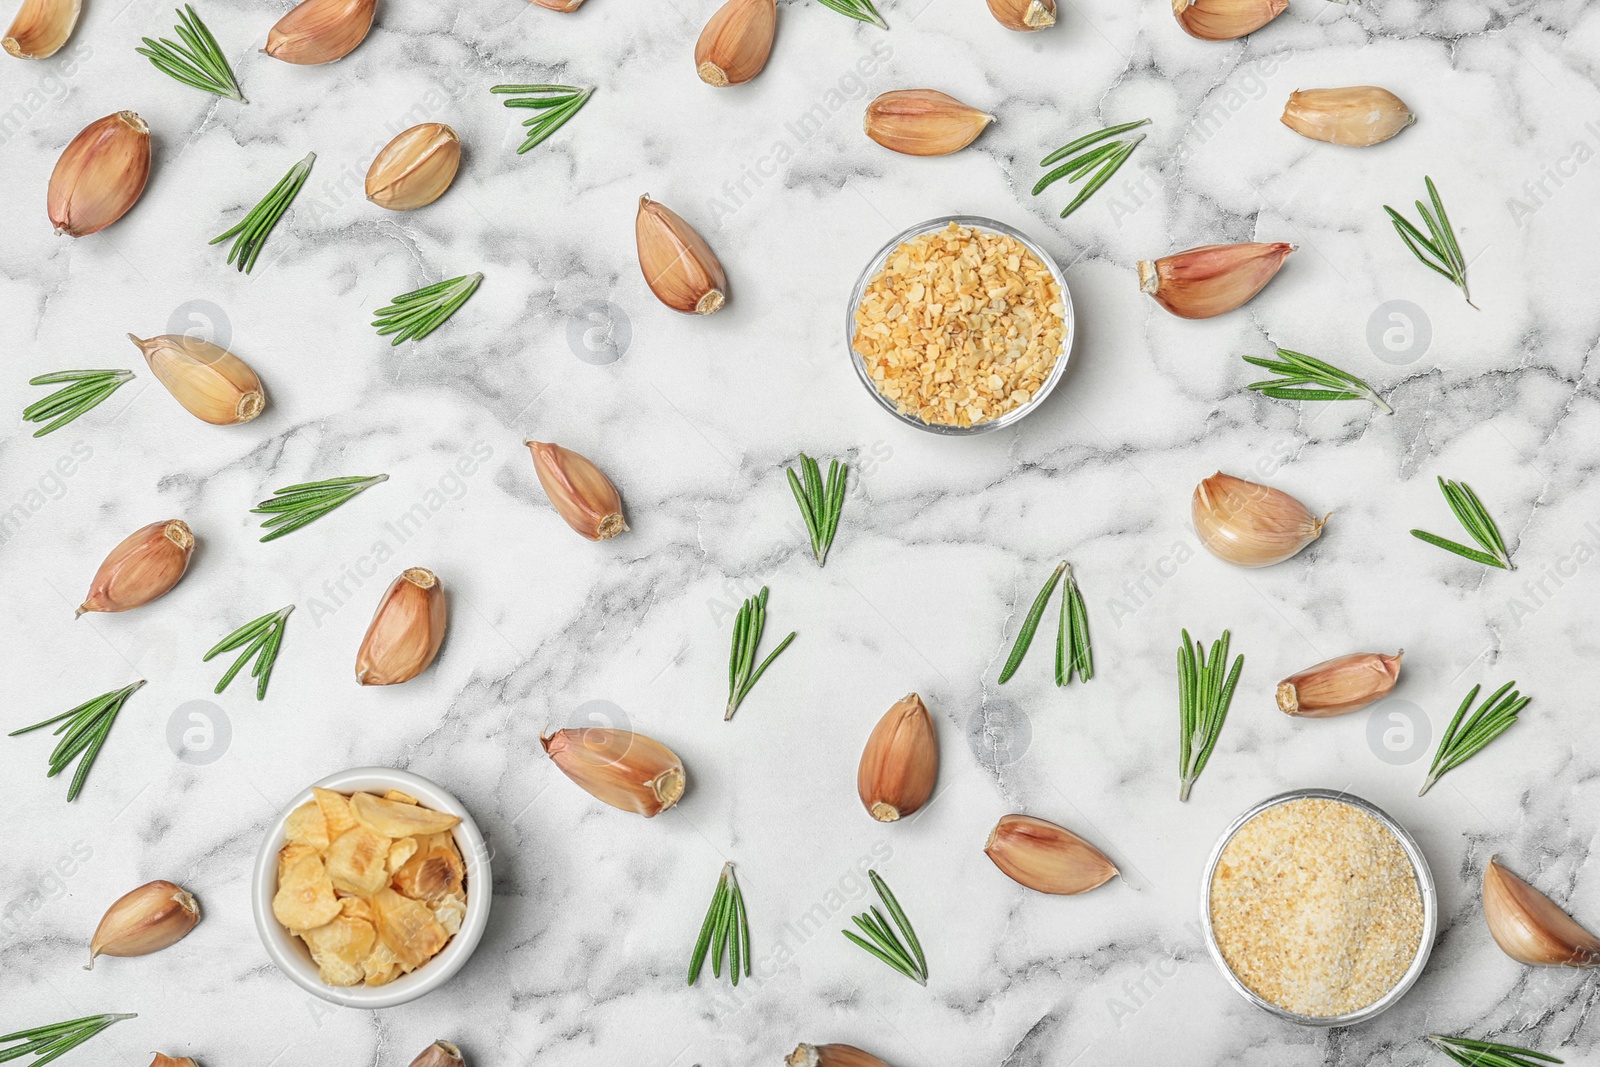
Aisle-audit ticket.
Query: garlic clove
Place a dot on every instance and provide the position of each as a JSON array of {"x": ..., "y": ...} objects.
[
  {"x": 145, "y": 565},
  {"x": 900, "y": 763},
  {"x": 406, "y": 630},
  {"x": 923, "y": 122},
  {"x": 1046, "y": 857},
  {"x": 1212, "y": 279},
  {"x": 439, "y": 1054},
  {"x": 735, "y": 44},
  {"x": 582, "y": 495},
  {"x": 624, "y": 769},
  {"x": 563, "y": 6},
  {"x": 146, "y": 920},
  {"x": 1339, "y": 685},
  {"x": 415, "y": 168},
  {"x": 213, "y": 384},
  {"x": 1225, "y": 20},
  {"x": 832, "y": 1056},
  {"x": 41, "y": 28},
  {"x": 678, "y": 265},
  {"x": 1529, "y": 926},
  {"x": 163, "y": 1060},
  {"x": 320, "y": 31},
  {"x": 1360, "y": 115},
  {"x": 1251, "y": 525},
  {"x": 100, "y": 175},
  {"x": 1024, "y": 14}
]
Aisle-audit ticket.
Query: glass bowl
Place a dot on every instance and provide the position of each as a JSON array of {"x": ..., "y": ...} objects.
[
  {"x": 1425, "y": 888},
  {"x": 876, "y": 263}
]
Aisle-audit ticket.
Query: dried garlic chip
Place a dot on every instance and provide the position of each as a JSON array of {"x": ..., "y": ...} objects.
[
  {"x": 450, "y": 911},
  {"x": 401, "y": 851},
  {"x": 358, "y": 861},
  {"x": 381, "y": 966},
  {"x": 357, "y": 908},
  {"x": 431, "y": 874},
  {"x": 408, "y": 928},
  {"x": 306, "y": 826},
  {"x": 401, "y": 798},
  {"x": 339, "y": 948},
  {"x": 394, "y": 819},
  {"x": 335, "y": 811},
  {"x": 305, "y": 897}
]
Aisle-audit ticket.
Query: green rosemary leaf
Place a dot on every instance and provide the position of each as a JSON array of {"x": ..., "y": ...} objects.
[
  {"x": 48, "y": 1042},
  {"x": 708, "y": 928},
  {"x": 820, "y": 503},
  {"x": 1090, "y": 138},
  {"x": 298, "y": 505},
  {"x": 1471, "y": 1053},
  {"x": 558, "y": 103},
  {"x": 1296, "y": 369},
  {"x": 903, "y": 967},
  {"x": 900, "y": 920},
  {"x": 1441, "y": 252},
  {"x": 1467, "y": 736},
  {"x": 1082, "y": 655},
  {"x": 1460, "y": 550},
  {"x": 1063, "y": 629},
  {"x": 1104, "y": 175},
  {"x": 86, "y": 726},
  {"x": 884, "y": 943},
  {"x": 1073, "y": 168},
  {"x": 197, "y": 62},
  {"x": 1030, "y": 623},
  {"x": 724, "y": 922},
  {"x": 1203, "y": 698},
  {"x": 742, "y": 670},
  {"x": 415, "y": 315},
  {"x": 264, "y": 636},
  {"x": 1477, "y": 521},
  {"x": 88, "y": 388},
  {"x": 252, "y": 231},
  {"x": 860, "y": 10}
]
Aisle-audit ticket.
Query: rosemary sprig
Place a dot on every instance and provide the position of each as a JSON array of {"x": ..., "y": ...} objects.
[
  {"x": 1470, "y": 1053},
  {"x": 860, "y": 10},
  {"x": 820, "y": 503},
  {"x": 253, "y": 229},
  {"x": 86, "y": 728},
  {"x": 264, "y": 636},
  {"x": 416, "y": 314},
  {"x": 555, "y": 104},
  {"x": 1477, "y": 521},
  {"x": 200, "y": 64},
  {"x": 726, "y": 931},
  {"x": 882, "y": 941},
  {"x": 1203, "y": 698},
  {"x": 296, "y": 505},
  {"x": 1073, "y": 654},
  {"x": 1308, "y": 378},
  {"x": 88, "y": 388},
  {"x": 752, "y": 619},
  {"x": 1463, "y": 740},
  {"x": 1102, "y": 161},
  {"x": 1439, "y": 252},
  {"x": 47, "y": 1042},
  {"x": 1030, "y": 623}
]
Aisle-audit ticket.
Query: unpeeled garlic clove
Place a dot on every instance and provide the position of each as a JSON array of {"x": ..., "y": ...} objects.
[
  {"x": 735, "y": 44},
  {"x": 439, "y": 1054},
  {"x": 320, "y": 31},
  {"x": 832, "y": 1056},
  {"x": 213, "y": 384},
  {"x": 1339, "y": 685},
  {"x": 1360, "y": 115},
  {"x": 581, "y": 494},
  {"x": 678, "y": 265},
  {"x": 415, "y": 168},
  {"x": 1225, "y": 20},
  {"x": 563, "y": 6},
  {"x": 923, "y": 122},
  {"x": 1024, "y": 14},
  {"x": 41, "y": 28},
  {"x": 900, "y": 763},
  {"x": 1251, "y": 525},
  {"x": 163, "y": 1060},
  {"x": 1530, "y": 927},
  {"x": 100, "y": 175},
  {"x": 624, "y": 769},
  {"x": 144, "y": 566},
  {"x": 406, "y": 630},
  {"x": 1211, "y": 279},
  {"x": 146, "y": 920},
  {"x": 1047, "y": 857}
]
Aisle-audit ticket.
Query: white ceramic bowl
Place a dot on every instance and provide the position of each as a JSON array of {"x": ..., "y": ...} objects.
[{"x": 291, "y": 955}]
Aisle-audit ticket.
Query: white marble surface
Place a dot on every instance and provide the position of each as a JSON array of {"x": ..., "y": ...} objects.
[{"x": 942, "y": 542}]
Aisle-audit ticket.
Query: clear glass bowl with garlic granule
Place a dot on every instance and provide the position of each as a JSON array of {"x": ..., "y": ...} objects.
[
  {"x": 1317, "y": 907},
  {"x": 961, "y": 326}
]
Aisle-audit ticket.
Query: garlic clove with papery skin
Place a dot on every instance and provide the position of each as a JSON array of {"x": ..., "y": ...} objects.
[
  {"x": 415, "y": 168},
  {"x": 900, "y": 764},
  {"x": 100, "y": 175},
  {"x": 1530, "y": 927},
  {"x": 439, "y": 1054},
  {"x": 1359, "y": 116},
  {"x": 1251, "y": 525},
  {"x": 320, "y": 31},
  {"x": 406, "y": 630},
  {"x": 154, "y": 916},
  {"x": 145, "y": 565},
  {"x": 678, "y": 265},
  {"x": 163, "y": 1060},
  {"x": 1225, "y": 20},
  {"x": 1024, "y": 15},
  {"x": 212, "y": 384},
  {"x": 1212, "y": 279},
  {"x": 41, "y": 28},
  {"x": 580, "y": 491},
  {"x": 626, "y": 770},
  {"x": 832, "y": 1056},
  {"x": 1340, "y": 685},
  {"x": 735, "y": 44},
  {"x": 1046, "y": 857},
  {"x": 563, "y": 6},
  {"x": 923, "y": 122}
]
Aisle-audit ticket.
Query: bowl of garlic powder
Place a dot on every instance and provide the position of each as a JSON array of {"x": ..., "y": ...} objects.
[
  {"x": 960, "y": 325},
  {"x": 1319, "y": 908}
]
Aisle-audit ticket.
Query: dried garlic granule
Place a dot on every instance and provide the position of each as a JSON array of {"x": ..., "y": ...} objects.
[
  {"x": 1316, "y": 907},
  {"x": 960, "y": 326}
]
